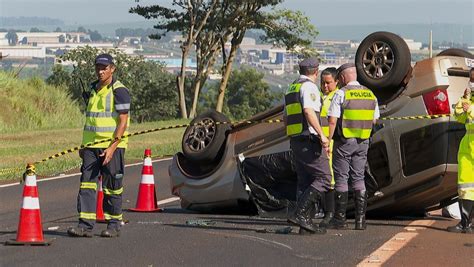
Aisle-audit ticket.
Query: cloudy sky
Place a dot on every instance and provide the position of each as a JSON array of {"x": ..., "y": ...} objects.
[{"x": 321, "y": 12}]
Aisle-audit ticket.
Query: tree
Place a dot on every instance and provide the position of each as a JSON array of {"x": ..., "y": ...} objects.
[
  {"x": 246, "y": 95},
  {"x": 58, "y": 29},
  {"x": 62, "y": 39},
  {"x": 12, "y": 37},
  {"x": 35, "y": 29},
  {"x": 95, "y": 36},
  {"x": 81, "y": 29},
  {"x": 190, "y": 20},
  {"x": 151, "y": 97}
]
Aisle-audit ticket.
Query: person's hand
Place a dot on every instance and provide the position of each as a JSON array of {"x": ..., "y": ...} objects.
[
  {"x": 107, "y": 154},
  {"x": 467, "y": 93},
  {"x": 465, "y": 106},
  {"x": 325, "y": 143}
]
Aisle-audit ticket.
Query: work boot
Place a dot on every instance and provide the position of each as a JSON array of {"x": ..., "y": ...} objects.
[
  {"x": 113, "y": 232},
  {"x": 308, "y": 201},
  {"x": 465, "y": 226},
  {"x": 339, "y": 219},
  {"x": 329, "y": 202},
  {"x": 360, "y": 199},
  {"x": 79, "y": 232}
]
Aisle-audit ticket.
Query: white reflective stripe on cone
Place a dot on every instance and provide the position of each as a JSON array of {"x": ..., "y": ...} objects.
[
  {"x": 148, "y": 179},
  {"x": 30, "y": 180},
  {"x": 30, "y": 203},
  {"x": 147, "y": 161}
]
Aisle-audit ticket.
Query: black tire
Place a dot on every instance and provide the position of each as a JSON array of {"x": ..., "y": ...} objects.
[
  {"x": 203, "y": 139},
  {"x": 383, "y": 60},
  {"x": 456, "y": 52}
]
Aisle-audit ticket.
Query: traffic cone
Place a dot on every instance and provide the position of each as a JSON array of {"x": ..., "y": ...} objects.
[
  {"x": 100, "y": 217},
  {"x": 146, "y": 200},
  {"x": 30, "y": 231}
]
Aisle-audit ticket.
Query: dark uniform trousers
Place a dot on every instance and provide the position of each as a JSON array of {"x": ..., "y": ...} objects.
[
  {"x": 349, "y": 160},
  {"x": 112, "y": 184},
  {"x": 312, "y": 164}
]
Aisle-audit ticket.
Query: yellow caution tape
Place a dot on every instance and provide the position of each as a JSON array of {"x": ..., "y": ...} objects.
[{"x": 70, "y": 150}]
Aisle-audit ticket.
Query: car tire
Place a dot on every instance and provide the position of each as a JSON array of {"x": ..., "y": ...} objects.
[
  {"x": 204, "y": 138},
  {"x": 456, "y": 52},
  {"x": 383, "y": 60}
]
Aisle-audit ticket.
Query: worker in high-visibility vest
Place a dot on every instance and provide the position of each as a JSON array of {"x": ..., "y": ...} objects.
[
  {"x": 464, "y": 113},
  {"x": 107, "y": 117},
  {"x": 308, "y": 143},
  {"x": 328, "y": 89},
  {"x": 352, "y": 113}
]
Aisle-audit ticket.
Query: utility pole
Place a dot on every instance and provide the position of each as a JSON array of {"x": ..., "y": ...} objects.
[{"x": 431, "y": 44}]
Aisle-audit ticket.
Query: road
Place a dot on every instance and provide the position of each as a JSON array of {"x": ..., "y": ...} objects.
[{"x": 165, "y": 239}]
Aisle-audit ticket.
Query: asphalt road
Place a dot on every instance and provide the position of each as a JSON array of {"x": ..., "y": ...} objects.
[{"x": 165, "y": 239}]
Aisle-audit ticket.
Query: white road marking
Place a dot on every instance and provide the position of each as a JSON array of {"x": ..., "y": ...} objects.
[
  {"x": 74, "y": 174},
  {"x": 395, "y": 244}
]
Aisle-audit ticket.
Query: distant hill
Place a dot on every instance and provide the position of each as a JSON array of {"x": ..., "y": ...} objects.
[{"x": 16, "y": 22}]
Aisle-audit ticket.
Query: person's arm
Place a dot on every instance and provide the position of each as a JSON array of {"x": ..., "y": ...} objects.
[
  {"x": 334, "y": 112},
  {"x": 313, "y": 121}
]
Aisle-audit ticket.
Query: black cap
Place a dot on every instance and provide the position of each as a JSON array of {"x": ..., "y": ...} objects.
[
  {"x": 345, "y": 66},
  {"x": 309, "y": 63},
  {"x": 104, "y": 59}
]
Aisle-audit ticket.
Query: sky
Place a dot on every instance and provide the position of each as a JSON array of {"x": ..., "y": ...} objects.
[{"x": 321, "y": 12}]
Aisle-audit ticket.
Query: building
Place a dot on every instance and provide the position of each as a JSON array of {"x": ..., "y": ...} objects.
[{"x": 23, "y": 52}]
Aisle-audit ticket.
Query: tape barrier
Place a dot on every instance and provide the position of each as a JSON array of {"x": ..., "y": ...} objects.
[{"x": 70, "y": 150}]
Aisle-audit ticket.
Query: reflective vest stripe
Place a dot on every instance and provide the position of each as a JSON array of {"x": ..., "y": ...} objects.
[
  {"x": 108, "y": 102},
  {"x": 99, "y": 129},
  {"x": 466, "y": 185},
  {"x": 101, "y": 114},
  {"x": 87, "y": 185},
  {"x": 358, "y": 112},
  {"x": 324, "y": 111},
  {"x": 87, "y": 215},
  {"x": 113, "y": 192},
  {"x": 294, "y": 109}
]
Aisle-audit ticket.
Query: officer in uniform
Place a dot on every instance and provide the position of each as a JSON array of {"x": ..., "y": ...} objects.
[
  {"x": 328, "y": 88},
  {"x": 464, "y": 113},
  {"x": 309, "y": 145},
  {"x": 352, "y": 113},
  {"x": 107, "y": 117}
]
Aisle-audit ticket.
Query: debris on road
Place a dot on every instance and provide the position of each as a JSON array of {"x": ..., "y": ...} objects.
[
  {"x": 283, "y": 231},
  {"x": 204, "y": 223}
]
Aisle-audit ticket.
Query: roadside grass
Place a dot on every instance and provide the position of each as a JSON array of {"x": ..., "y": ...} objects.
[{"x": 20, "y": 147}]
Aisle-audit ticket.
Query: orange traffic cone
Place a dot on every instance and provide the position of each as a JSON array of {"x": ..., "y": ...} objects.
[
  {"x": 100, "y": 217},
  {"x": 30, "y": 231},
  {"x": 146, "y": 200}
]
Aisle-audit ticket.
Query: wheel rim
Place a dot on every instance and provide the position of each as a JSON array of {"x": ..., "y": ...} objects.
[
  {"x": 201, "y": 135},
  {"x": 378, "y": 60}
]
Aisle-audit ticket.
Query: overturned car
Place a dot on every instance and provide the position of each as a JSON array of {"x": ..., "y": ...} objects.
[{"x": 412, "y": 162}]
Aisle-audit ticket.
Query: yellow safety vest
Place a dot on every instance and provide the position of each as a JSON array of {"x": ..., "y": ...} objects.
[
  {"x": 102, "y": 118},
  {"x": 466, "y": 152},
  {"x": 358, "y": 111},
  {"x": 295, "y": 121},
  {"x": 324, "y": 111}
]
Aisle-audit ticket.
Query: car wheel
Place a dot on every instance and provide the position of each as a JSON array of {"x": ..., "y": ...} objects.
[
  {"x": 383, "y": 60},
  {"x": 455, "y": 52},
  {"x": 205, "y": 136}
]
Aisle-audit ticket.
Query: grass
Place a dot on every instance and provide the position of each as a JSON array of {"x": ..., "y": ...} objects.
[{"x": 18, "y": 148}]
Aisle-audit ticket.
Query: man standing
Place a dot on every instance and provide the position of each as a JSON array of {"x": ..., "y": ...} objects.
[
  {"x": 328, "y": 88},
  {"x": 308, "y": 143},
  {"x": 106, "y": 118},
  {"x": 352, "y": 113},
  {"x": 464, "y": 113}
]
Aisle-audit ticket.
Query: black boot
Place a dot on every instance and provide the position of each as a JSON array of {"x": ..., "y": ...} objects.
[
  {"x": 329, "y": 203},
  {"x": 308, "y": 201},
  {"x": 465, "y": 226},
  {"x": 339, "y": 219},
  {"x": 360, "y": 199}
]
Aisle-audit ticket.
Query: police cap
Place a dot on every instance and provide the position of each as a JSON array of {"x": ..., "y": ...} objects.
[
  {"x": 309, "y": 63},
  {"x": 345, "y": 66}
]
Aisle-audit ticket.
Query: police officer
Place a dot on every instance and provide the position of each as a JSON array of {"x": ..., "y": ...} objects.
[
  {"x": 308, "y": 143},
  {"x": 464, "y": 113},
  {"x": 352, "y": 113},
  {"x": 107, "y": 117},
  {"x": 328, "y": 88}
]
